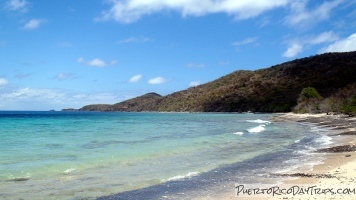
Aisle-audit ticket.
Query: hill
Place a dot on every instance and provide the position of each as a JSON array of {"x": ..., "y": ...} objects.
[
  {"x": 135, "y": 104},
  {"x": 273, "y": 89}
]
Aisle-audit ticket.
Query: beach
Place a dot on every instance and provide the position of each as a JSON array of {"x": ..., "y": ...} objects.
[
  {"x": 334, "y": 177},
  {"x": 338, "y": 170}
]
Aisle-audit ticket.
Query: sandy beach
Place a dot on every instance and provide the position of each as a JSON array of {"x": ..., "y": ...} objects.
[{"x": 335, "y": 177}]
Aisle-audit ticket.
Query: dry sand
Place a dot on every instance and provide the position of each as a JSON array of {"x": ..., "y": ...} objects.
[
  {"x": 339, "y": 165},
  {"x": 337, "y": 173}
]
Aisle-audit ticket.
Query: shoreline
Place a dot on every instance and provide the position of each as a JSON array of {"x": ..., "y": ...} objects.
[{"x": 337, "y": 169}]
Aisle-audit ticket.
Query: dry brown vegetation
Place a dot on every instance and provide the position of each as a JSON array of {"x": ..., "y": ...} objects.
[{"x": 274, "y": 89}]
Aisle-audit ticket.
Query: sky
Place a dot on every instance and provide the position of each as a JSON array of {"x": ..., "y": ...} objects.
[{"x": 67, "y": 54}]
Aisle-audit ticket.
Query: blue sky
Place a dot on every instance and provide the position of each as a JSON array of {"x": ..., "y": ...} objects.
[{"x": 61, "y": 54}]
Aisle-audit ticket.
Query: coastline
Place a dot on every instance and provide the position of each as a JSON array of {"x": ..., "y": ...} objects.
[{"x": 337, "y": 170}]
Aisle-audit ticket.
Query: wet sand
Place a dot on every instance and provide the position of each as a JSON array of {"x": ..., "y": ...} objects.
[
  {"x": 337, "y": 173},
  {"x": 334, "y": 178}
]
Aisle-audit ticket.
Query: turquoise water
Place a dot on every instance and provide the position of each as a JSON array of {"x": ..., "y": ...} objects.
[{"x": 65, "y": 155}]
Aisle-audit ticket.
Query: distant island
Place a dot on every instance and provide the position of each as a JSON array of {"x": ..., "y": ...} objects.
[{"x": 274, "y": 89}]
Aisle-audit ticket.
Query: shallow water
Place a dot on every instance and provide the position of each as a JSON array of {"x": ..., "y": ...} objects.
[{"x": 74, "y": 155}]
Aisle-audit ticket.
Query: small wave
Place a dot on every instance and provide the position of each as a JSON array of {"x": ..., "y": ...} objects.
[
  {"x": 190, "y": 174},
  {"x": 20, "y": 179},
  {"x": 238, "y": 133},
  {"x": 324, "y": 140},
  {"x": 257, "y": 129},
  {"x": 307, "y": 151},
  {"x": 259, "y": 121},
  {"x": 69, "y": 170}
]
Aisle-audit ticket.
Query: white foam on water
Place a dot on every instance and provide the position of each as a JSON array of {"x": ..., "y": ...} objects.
[
  {"x": 257, "y": 129},
  {"x": 238, "y": 133},
  {"x": 25, "y": 177},
  {"x": 309, "y": 158},
  {"x": 190, "y": 174},
  {"x": 324, "y": 140},
  {"x": 296, "y": 164},
  {"x": 69, "y": 170},
  {"x": 259, "y": 121},
  {"x": 306, "y": 151}
]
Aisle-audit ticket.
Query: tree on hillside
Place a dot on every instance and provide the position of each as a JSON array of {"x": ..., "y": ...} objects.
[
  {"x": 308, "y": 101},
  {"x": 308, "y": 94}
]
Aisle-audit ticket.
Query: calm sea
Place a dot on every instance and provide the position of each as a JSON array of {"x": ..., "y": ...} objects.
[{"x": 77, "y": 155}]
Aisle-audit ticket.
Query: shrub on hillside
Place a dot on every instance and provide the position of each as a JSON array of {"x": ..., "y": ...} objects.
[
  {"x": 349, "y": 106},
  {"x": 343, "y": 101},
  {"x": 308, "y": 101}
]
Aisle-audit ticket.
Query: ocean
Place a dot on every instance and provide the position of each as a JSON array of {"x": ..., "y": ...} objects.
[{"x": 86, "y": 155}]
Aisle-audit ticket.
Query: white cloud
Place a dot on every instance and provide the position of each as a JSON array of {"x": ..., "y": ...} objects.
[
  {"x": 3, "y": 82},
  {"x": 135, "y": 78},
  {"x": 135, "y": 40},
  {"x": 128, "y": 11},
  {"x": 194, "y": 83},
  {"x": 17, "y": 5},
  {"x": 245, "y": 41},
  {"x": 301, "y": 16},
  {"x": 26, "y": 93},
  {"x": 96, "y": 62},
  {"x": 46, "y": 98},
  {"x": 324, "y": 37},
  {"x": 33, "y": 24},
  {"x": 296, "y": 46},
  {"x": 343, "y": 45},
  {"x": 293, "y": 50},
  {"x": 157, "y": 80}
]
